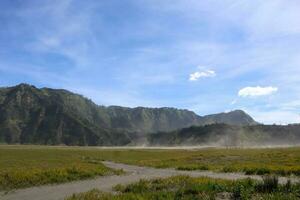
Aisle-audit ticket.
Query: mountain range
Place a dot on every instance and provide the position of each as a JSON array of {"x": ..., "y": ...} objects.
[{"x": 30, "y": 115}]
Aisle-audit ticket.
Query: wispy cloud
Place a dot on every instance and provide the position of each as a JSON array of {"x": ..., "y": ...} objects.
[
  {"x": 65, "y": 31},
  {"x": 202, "y": 74},
  {"x": 257, "y": 91}
]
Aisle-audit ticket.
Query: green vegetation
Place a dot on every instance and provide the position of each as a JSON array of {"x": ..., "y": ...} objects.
[
  {"x": 280, "y": 161},
  {"x": 24, "y": 166},
  {"x": 182, "y": 187}
]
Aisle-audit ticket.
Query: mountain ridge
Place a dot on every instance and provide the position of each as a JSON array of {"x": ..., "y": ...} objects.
[{"x": 56, "y": 116}]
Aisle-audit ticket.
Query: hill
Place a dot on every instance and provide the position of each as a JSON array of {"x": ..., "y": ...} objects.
[
  {"x": 47, "y": 116},
  {"x": 237, "y": 117},
  {"x": 229, "y": 135},
  {"x": 55, "y": 116}
]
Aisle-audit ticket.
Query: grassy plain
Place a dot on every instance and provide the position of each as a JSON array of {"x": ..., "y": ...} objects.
[
  {"x": 182, "y": 187},
  {"x": 280, "y": 161},
  {"x": 25, "y": 166}
]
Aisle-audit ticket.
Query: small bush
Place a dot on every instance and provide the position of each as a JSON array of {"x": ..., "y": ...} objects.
[
  {"x": 191, "y": 168},
  {"x": 257, "y": 171},
  {"x": 262, "y": 171},
  {"x": 228, "y": 169},
  {"x": 203, "y": 167},
  {"x": 249, "y": 171}
]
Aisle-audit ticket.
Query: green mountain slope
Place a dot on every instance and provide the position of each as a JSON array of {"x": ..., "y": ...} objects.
[
  {"x": 46, "y": 116},
  {"x": 145, "y": 120},
  {"x": 53, "y": 116}
]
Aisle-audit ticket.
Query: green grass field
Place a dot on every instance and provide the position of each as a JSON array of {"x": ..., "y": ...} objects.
[
  {"x": 280, "y": 161},
  {"x": 182, "y": 188},
  {"x": 25, "y": 166}
]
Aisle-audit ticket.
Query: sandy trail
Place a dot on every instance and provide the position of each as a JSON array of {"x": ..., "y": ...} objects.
[{"x": 134, "y": 173}]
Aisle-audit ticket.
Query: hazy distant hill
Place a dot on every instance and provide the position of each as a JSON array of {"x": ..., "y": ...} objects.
[
  {"x": 53, "y": 116},
  {"x": 237, "y": 117},
  {"x": 229, "y": 135},
  {"x": 147, "y": 120}
]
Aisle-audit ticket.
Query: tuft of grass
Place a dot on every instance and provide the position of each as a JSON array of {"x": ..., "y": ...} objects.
[
  {"x": 91, "y": 195},
  {"x": 257, "y": 171},
  {"x": 229, "y": 169},
  {"x": 269, "y": 185},
  {"x": 191, "y": 168}
]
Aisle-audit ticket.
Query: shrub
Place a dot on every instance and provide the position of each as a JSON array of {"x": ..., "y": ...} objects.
[
  {"x": 249, "y": 171},
  {"x": 258, "y": 171},
  {"x": 191, "y": 168},
  {"x": 262, "y": 171},
  {"x": 227, "y": 169}
]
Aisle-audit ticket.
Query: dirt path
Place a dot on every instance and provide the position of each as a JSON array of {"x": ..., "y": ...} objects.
[{"x": 134, "y": 173}]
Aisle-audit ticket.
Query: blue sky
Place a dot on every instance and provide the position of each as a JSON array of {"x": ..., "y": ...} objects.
[{"x": 207, "y": 56}]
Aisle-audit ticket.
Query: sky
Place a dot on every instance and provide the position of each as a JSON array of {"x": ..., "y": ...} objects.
[{"x": 206, "y": 56}]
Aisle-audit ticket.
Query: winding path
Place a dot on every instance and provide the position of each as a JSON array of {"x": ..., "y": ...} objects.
[{"x": 134, "y": 173}]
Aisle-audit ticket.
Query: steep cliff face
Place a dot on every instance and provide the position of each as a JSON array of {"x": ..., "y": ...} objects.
[
  {"x": 46, "y": 116},
  {"x": 149, "y": 120},
  {"x": 51, "y": 116},
  {"x": 145, "y": 120}
]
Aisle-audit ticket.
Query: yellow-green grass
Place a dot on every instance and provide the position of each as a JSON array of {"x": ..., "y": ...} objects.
[
  {"x": 24, "y": 166},
  {"x": 281, "y": 161},
  {"x": 182, "y": 187}
]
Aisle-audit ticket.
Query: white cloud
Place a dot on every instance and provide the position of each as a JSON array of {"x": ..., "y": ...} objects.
[
  {"x": 257, "y": 91},
  {"x": 203, "y": 74}
]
